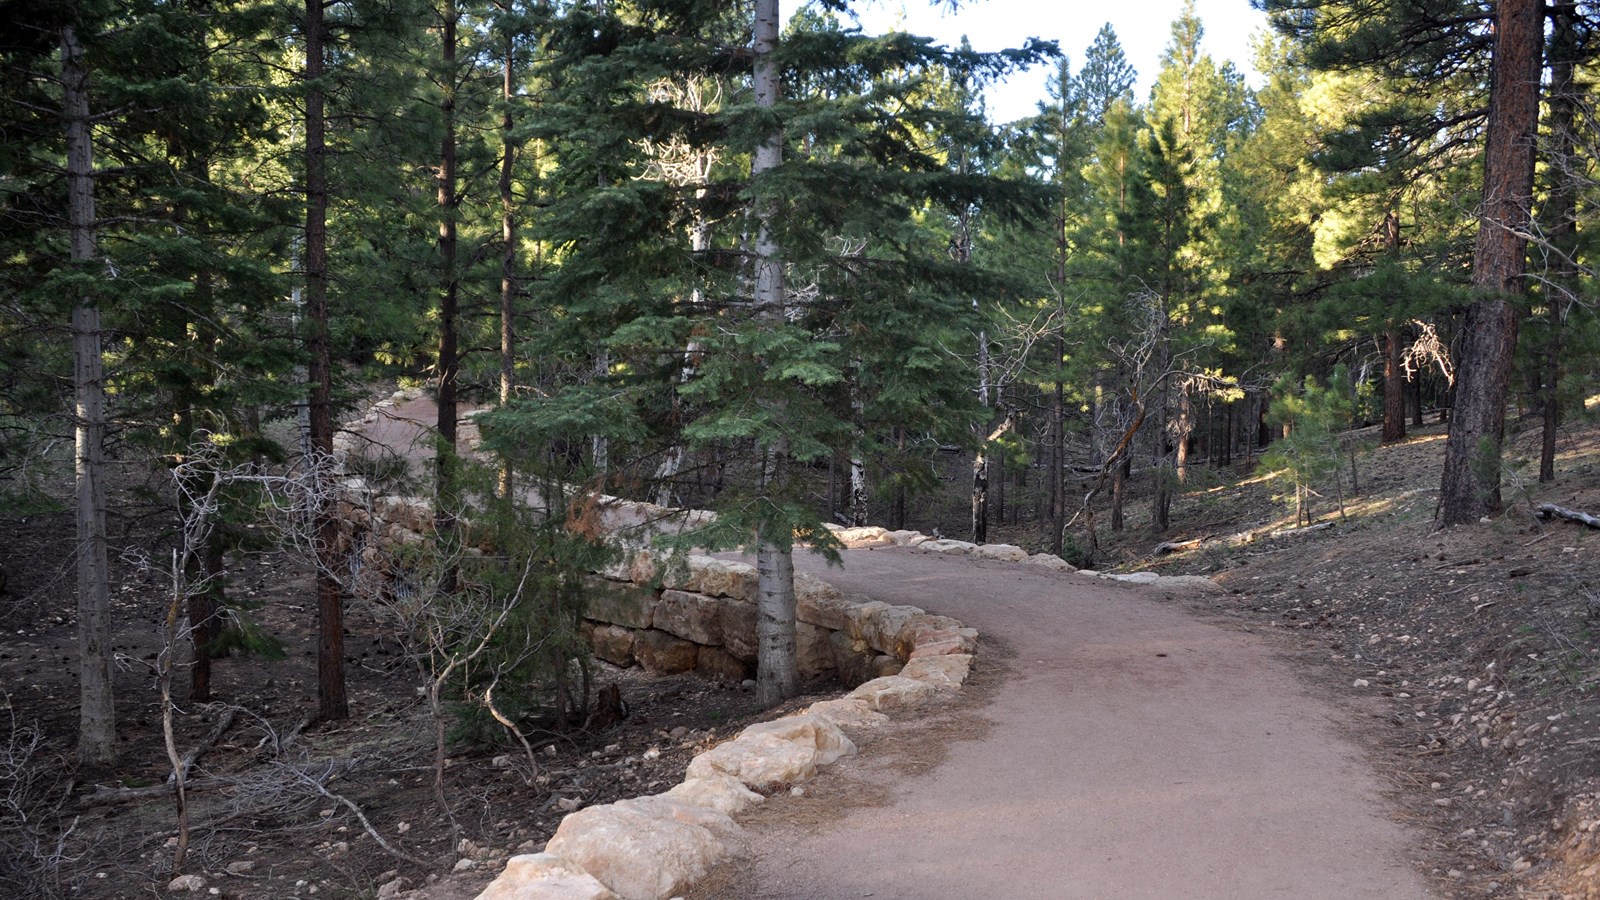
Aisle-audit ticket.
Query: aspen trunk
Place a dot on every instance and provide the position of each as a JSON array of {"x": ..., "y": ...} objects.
[{"x": 777, "y": 664}]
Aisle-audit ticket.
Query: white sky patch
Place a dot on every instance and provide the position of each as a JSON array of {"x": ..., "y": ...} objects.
[{"x": 1143, "y": 27}]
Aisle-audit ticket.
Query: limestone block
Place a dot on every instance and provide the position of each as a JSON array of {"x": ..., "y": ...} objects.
[
  {"x": 847, "y": 713},
  {"x": 1198, "y": 584},
  {"x": 865, "y": 536},
  {"x": 813, "y": 649},
  {"x": 881, "y": 625},
  {"x": 920, "y": 629},
  {"x": 852, "y": 659},
  {"x": 613, "y": 643},
  {"x": 619, "y": 603},
  {"x": 641, "y": 851},
  {"x": 947, "y": 547},
  {"x": 1001, "y": 552},
  {"x": 858, "y": 616},
  {"x": 544, "y": 876},
  {"x": 886, "y": 664},
  {"x": 1050, "y": 561},
  {"x": 1135, "y": 577},
  {"x": 947, "y": 671},
  {"x": 717, "y": 664},
  {"x": 813, "y": 732},
  {"x": 662, "y": 654},
  {"x": 906, "y": 538},
  {"x": 682, "y": 573},
  {"x": 723, "y": 793},
  {"x": 824, "y": 609},
  {"x": 940, "y": 643},
  {"x": 758, "y": 760},
  {"x": 724, "y": 578},
  {"x": 739, "y": 628},
  {"x": 693, "y": 617},
  {"x": 892, "y": 692}
]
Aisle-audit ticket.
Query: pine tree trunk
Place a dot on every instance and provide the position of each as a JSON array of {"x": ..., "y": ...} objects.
[
  {"x": 1560, "y": 218},
  {"x": 97, "y": 713},
  {"x": 448, "y": 363},
  {"x": 508, "y": 249},
  {"x": 1394, "y": 387},
  {"x": 1470, "y": 486},
  {"x": 331, "y": 699},
  {"x": 777, "y": 664}
]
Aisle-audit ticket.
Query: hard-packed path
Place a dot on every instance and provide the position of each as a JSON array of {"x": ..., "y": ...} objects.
[{"x": 1132, "y": 750}]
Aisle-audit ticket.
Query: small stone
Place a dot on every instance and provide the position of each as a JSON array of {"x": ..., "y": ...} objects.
[
  {"x": 463, "y": 864},
  {"x": 403, "y": 827},
  {"x": 189, "y": 883},
  {"x": 797, "y": 791},
  {"x": 242, "y": 867},
  {"x": 503, "y": 761},
  {"x": 677, "y": 733},
  {"x": 569, "y": 804},
  {"x": 1360, "y": 683},
  {"x": 390, "y": 889},
  {"x": 325, "y": 813}
]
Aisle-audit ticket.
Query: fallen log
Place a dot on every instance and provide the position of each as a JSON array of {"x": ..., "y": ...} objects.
[
  {"x": 1296, "y": 532},
  {"x": 1552, "y": 511},
  {"x": 1166, "y": 547},
  {"x": 112, "y": 796}
]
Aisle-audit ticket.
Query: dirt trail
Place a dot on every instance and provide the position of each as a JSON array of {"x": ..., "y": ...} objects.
[{"x": 1131, "y": 750}]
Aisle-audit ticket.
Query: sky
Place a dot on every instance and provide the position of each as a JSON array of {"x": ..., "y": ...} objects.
[{"x": 1143, "y": 27}]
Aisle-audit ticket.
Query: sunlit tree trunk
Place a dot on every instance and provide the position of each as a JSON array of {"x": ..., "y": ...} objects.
[{"x": 1470, "y": 486}]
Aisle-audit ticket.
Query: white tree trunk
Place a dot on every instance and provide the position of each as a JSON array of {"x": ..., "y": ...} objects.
[
  {"x": 777, "y": 670},
  {"x": 97, "y": 732}
]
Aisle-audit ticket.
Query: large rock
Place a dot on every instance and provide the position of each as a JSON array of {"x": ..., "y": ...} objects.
[
  {"x": 864, "y": 536},
  {"x": 739, "y": 629},
  {"x": 644, "y": 849},
  {"x": 814, "y": 732},
  {"x": 921, "y": 629},
  {"x": 886, "y": 664},
  {"x": 693, "y": 617},
  {"x": 613, "y": 643},
  {"x": 905, "y": 538},
  {"x": 1001, "y": 552},
  {"x": 940, "y": 671},
  {"x": 824, "y": 609},
  {"x": 717, "y": 664},
  {"x": 892, "y": 692},
  {"x": 814, "y": 652},
  {"x": 947, "y": 547},
  {"x": 1135, "y": 577},
  {"x": 662, "y": 654},
  {"x": 783, "y": 751},
  {"x": 408, "y": 513},
  {"x": 852, "y": 658},
  {"x": 723, "y": 793},
  {"x": 942, "y": 643},
  {"x": 619, "y": 603},
  {"x": 1198, "y": 584},
  {"x": 880, "y": 624},
  {"x": 723, "y": 578},
  {"x": 545, "y": 876},
  {"x": 1050, "y": 561},
  {"x": 847, "y": 713}
]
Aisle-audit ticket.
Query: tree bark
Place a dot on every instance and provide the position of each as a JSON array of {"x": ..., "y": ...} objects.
[
  {"x": 97, "y": 714},
  {"x": 448, "y": 363},
  {"x": 331, "y": 700},
  {"x": 777, "y": 663},
  {"x": 508, "y": 248},
  {"x": 1394, "y": 389},
  {"x": 1560, "y": 223},
  {"x": 1470, "y": 486}
]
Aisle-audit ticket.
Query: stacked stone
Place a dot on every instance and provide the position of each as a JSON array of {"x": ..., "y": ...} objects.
[
  {"x": 700, "y": 616},
  {"x": 655, "y": 847}
]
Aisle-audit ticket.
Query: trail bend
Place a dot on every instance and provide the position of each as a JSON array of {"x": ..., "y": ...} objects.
[{"x": 1129, "y": 749}]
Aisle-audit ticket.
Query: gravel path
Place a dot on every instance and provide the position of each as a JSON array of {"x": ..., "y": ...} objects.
[{"x": 1133, "y": 751}]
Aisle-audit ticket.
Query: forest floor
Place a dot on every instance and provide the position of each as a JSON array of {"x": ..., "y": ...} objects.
[{"x": 1482, "y": 644}]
